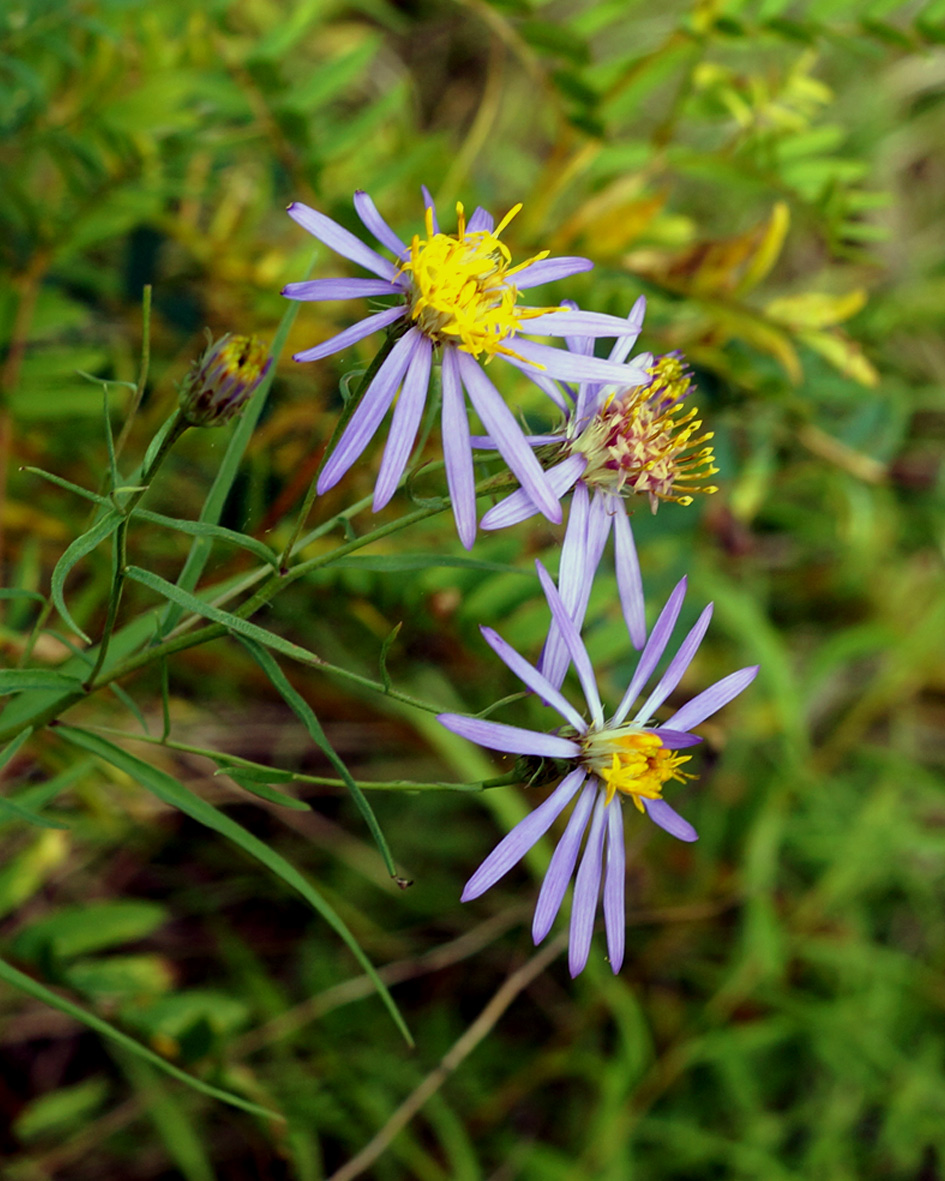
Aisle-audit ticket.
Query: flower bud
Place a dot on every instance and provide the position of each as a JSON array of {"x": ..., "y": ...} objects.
[{"x": 220, "y": 383}]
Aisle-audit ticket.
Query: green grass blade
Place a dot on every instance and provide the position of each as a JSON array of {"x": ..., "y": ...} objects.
[
  {"x": 33, "y": 988},
  {"x": 168, "y": 789},
  {"x": 303, "y": 711},
  {"x": 15, "y": 680},
  {"x": 211, "y": 533}
]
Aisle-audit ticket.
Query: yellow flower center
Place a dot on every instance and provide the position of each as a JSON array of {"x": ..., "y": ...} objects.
[
  {"x": 633, "y": 762},
  {"x": 460, "y": 289},
  {"x": 644, "y": 440}
]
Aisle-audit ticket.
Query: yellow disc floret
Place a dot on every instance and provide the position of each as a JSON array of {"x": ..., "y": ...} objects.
[
  {"x": 460, "y": 289},
  {"x": 633, "y": 762}
]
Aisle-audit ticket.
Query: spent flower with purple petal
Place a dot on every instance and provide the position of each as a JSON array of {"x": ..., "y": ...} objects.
[
  {"x": 602, "y": 762},
  {"x": 457, "y": 300},
  {"x": 616, "y": 442}
]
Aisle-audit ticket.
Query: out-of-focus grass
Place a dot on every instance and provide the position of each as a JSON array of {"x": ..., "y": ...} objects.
[{"x": 769, "y": 175}]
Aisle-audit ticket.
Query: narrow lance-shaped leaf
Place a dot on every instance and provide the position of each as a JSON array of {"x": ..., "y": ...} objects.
[
  {"x": 172, "y": 792},
  {"x": 306, "y": 716},
  {"x": 33, "y": 988},
  {"x": 82, "y": 545}
]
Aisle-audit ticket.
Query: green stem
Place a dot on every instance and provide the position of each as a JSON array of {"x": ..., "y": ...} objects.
[
  {"x": 177, "y": 426},
  {"x": 236, "y": 761}
]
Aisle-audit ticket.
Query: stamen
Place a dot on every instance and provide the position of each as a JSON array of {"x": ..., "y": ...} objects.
[
  {"x": 633, "y": 762},
  {"x": 460, "y": 292}
]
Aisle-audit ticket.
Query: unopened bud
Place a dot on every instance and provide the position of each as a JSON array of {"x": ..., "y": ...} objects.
[{"x": 221, "y": 382}]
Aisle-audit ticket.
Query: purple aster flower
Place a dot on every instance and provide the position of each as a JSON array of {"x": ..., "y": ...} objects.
[
  {"x": 603, "y": 761},
  {"x": 616, "y": 442},
  {"x": 457, "y": 301}
]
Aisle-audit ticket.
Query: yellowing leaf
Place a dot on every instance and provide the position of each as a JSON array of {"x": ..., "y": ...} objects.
[
  {"x": 844, "y": 354},
  {"x": 814, "y": 309},
  {"x": 612, "y": 218},
  {"x": 769, "y": 248}
]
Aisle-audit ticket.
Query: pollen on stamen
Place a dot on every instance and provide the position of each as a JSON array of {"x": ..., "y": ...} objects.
[
  {"x": 460, "y": 288},
  {"x": 645, "y": 440},
  {"x": 632, "y": 762}
]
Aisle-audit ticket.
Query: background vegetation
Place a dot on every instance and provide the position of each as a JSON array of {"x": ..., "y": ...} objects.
[{"x": 769, "y": 174}]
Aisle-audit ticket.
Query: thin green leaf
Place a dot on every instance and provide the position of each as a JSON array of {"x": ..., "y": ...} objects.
[
  {"x": 182, "y": 1143},
  {"x": 13, "y": 746},
  {"x": 69, "y": 486},
  {"x": 33, "y": 988},
  {"x": 15, "y": 680},
  {"x": 170, "y": 791},
  {"x": 109, "y": 439},
  {"x": 83, "y": 545},
  {"x": 130, "y": 704},
  {"x": 11, "y": 810},
  {"x": 303, "y": 711},
  {"x": 16, "y": 593},
  {"x": 233, "y": 623},
  {"x": 36, "y": 798},
  {"x": 204, "y": 529},
  {"x": 263, "y": 790}
]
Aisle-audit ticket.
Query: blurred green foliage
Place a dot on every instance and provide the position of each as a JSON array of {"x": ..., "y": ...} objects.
[{"x": 769, "y": 173}]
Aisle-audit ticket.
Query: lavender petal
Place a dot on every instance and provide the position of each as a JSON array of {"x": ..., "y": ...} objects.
[
  {"x": 577, "y": 323},
  {"x": 501, "y": 424},
  {"x": 615, "y": 919},
  {"x": 572, "y": 367},
  {"x": 677, "y": 666},
  {"x": 574, "y": 644},
  {"x": 562, "y": 865},
  {"x": 676, "y": 739},
  {"x": 518, "y": 505},
  {"x": 629, "y": 581},
  {"x": 705, "y": 704},
  {"x": 549, "y": 270},
  {"x": 457, "y": 454},
  {"x": 624, "y": 344},
  {"x": 586, "y": 893},
  {"x": 376, "y": 225},
  {"x": 350, "y": 336},
  {"x": 371, "y": 410},
  {"x": 481, "y": 220},
  {"x": 513, "y": 847},
  {"x": 429, "y": 204},
  {"x": 659, "y": 638},
  {"x": 340, "y": 240},
  {"x": 662, "y": 814},
  {"x": 405, "y": 423},
  {"x": 319, "y": 290},
  {"x": 509, "y": 739},
  {"x": 530, "y": 675}
]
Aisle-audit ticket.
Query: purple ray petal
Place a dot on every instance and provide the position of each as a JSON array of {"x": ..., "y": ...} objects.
[
  {"x": 574, "y": 644},
  {"x": 615, "y": 919},
  {"x": 457, "y": 455},
  {"x": 709, "y": 700},
  {"x": 375, "y": 224},
  {"x": 513, "y": 847},
  {"x": 500, "y": 422},
  {"x": 350, "y": 336},
  {"x": 577, "y": 323},
  {"x": 481, "y": 220},
  {"x": 317, "y": 290},
  {"x": 519, "y": 507},
  {"x": 572, "y": 367},
  {"x": 533, "y": 678},
  {"x": 624, "y": 344},
  {"x": 549, "y": 270},
  {"x": 405, "y": 423},
  {"x": 428, "y": 204},
  {"x": 586, "y": 893},
  {"x": 676, "y": 739},
  {"x": 340, "y": 240},
  {"x": 562, "y": 864},
  {"x": 662, "y": 814},
  {"x": 512, "y": 740},
  {"x": 584, "y": 542},
  {"x": 659, "y": 638},
  {"x": 629, "y": 582},
  {"x": 370, "y": 411},
  {"x": 677, "y": 666}
]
